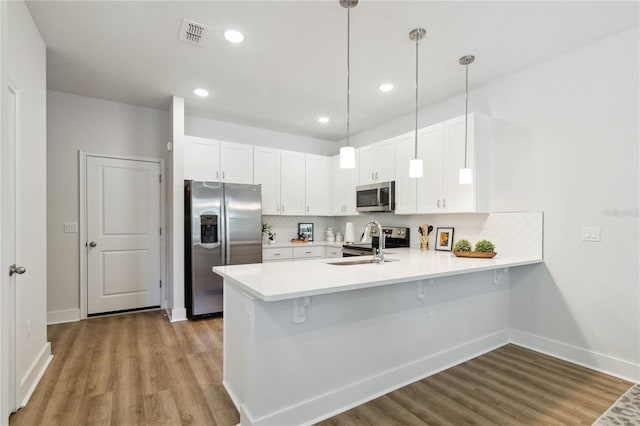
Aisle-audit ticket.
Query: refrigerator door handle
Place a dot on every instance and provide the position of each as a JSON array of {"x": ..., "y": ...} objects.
[{"x": 227, "y": 236}]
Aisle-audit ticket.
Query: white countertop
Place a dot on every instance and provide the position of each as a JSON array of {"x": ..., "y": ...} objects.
[
  {"x": 284, "y": 244},
  {"x": 288, "y": 280}
]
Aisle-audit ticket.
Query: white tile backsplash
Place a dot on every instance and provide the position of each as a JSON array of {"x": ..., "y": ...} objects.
[{"x": 286, "y": 227}]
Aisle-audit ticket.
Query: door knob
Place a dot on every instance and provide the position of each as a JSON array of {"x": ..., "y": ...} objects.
[
  {"x": 13, "y": 269},
  {"x": 93, "y": 244}
]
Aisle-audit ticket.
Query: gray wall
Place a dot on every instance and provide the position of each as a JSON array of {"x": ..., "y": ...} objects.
[{"x": 77, "y": 123}]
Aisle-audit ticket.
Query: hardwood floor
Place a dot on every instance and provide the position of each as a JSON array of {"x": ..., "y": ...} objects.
[{"x": 140, "y": 369}]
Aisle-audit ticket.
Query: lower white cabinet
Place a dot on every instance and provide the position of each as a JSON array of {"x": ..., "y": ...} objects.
[
  {"x": 276, "y": 254},
  {"x": 332, "y": 252},
  {"x": 306, "y": 253}
]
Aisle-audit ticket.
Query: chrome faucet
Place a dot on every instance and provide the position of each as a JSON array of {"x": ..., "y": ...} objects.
[{"x": 378, "y": 256}]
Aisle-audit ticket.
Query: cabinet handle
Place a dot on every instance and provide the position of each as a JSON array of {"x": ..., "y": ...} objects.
[
  {"x": 278, "y": 208},
  {"x": 282, "y": 208},
  {"x": 307, "y": 209},
  {"x": 438, "y": 203},
  {"x": 217, "y": 175},
  {"x": 276, "y": 254},
  {"x": 377, "y": 176},
  {"x": 222, "y": 175},
  {"x": 307, "y": 252},
  {"x": 444, "y": 202},
  {"x": 372, "y": 176}
]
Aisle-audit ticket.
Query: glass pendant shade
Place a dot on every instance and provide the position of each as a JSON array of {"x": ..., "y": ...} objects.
[
  {"x": 465, "y": 177},
  {"x": 347, "y": 157},
  {"x": 415, "y": 168}
]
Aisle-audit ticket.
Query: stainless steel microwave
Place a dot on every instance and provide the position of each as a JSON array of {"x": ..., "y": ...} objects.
[{"x": 376, "y": 197}]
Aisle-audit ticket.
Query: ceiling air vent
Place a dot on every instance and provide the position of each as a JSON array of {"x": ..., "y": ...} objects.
[{"x": 193, "y": 32}]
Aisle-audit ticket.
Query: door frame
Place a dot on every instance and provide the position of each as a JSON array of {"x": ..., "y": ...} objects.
[{"x": 82, "y": 175}]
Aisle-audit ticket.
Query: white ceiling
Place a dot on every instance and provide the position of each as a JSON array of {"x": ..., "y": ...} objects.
[{"x": 291, "y": 68}]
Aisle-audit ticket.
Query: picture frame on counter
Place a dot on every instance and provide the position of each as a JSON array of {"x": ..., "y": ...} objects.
[
  {"x": 305, "y": 231},
  {"x": 444, "y": 239}
]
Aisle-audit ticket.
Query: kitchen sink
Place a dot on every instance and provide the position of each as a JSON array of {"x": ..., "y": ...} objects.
[{"x": 359, "y": 262}]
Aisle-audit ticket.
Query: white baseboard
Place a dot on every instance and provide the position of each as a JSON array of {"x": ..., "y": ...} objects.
[
  {"x": 58, "y": 317},
  {"x": 32, "y": 378},
  {"x": 596, "y": 361},
  {"x": 177, "y": 314},
  {"x": 354, "y": 394}
]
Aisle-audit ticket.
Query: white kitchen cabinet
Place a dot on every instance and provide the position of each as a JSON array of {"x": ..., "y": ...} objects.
[
  {"x": 333, "y": 252},
  {"x": 307, "y": 253},
  {"x": 236, "y": 162},
  {"x": 318, "y": 185},
  {"x": 442, "y": 149},
  {"x": 344, "y": 188},
  {"x": 212, "y": 160},
  {"x": 405, "y": 185},
  {"x": 277, "y": 254},
  {"x": 266, "y": 172},
  {"x": 201, "y": 159},
  {"x": 292, "y": 183},
  {"x": 377, "y": 162}
]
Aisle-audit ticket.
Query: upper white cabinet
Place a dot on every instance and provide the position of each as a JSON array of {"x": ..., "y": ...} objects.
[
  {"x": 236, "y": 162},
  {"x": 442, "y": 149},
  {"x": 377, "y": 162},
  {"x": 344, "y": 189},
  {"x": 292, "y": 183},
  {"x": 266, "y": 172},
  {"x": 212, "y": 160},
  {"x": 405, "y": 185},
  {"x": 201, "y": 159},
  {"x": 318, "y": 185}
]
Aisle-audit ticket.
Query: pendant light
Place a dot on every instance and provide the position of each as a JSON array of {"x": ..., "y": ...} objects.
[
  {"x": 466, "y": 175},
  {"x": 415, "y": 165},
  {"x": 348, "y": 153}
]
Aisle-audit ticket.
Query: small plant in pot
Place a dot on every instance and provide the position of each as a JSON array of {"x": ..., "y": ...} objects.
[
  {"x": 485, "y": 246},
  {"x": 462, "y": 245}
]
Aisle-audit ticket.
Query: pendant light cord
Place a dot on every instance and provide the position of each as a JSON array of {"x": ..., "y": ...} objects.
[
  {"x": 415, "y": 148},
  {"x": 348, "y": 66},
  {"x": 466, "y": 112}
]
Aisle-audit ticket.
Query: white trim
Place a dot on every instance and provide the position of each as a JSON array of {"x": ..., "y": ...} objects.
[
  {"x": 59, "y": 317},
  {"x": 590, "y": 359},
  {"x": 315, "y": 409},
  {"x": 82, "y": 175},
  {"x": 32, "y": 378},
  {"x": 177, "y": 314}
]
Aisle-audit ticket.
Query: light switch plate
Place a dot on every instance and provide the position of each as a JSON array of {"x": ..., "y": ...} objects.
[
  {"x": 591, "y": 233},
  {"x": 70, "y": 227}
]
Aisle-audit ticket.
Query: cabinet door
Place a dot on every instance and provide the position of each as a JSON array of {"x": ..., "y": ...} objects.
[
  {"x": 385, "y": 162},
  {"x": 457, "y": 198},
  {"x": 236, "y": 162},
  {"x": 201, "y": 159},
  {"x": 266, "y": 172},
  {"x": 405, "y": 185},
  {"x": 367, "y": 156},
  {"x": 344, "y": 189},
  {"x": 292, "y": 183},
  {"x": 429, "y": 186},
  {"x": 318, "y": 185}
]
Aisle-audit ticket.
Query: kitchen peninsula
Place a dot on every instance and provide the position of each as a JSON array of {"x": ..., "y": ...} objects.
[{"x": 306, "y": 340}]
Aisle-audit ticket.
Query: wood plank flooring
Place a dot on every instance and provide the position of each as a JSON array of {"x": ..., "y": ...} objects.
[{"x": 140, "y": 369}]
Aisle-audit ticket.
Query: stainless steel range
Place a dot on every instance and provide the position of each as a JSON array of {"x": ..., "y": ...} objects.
[{"x": 395, "y": 237}]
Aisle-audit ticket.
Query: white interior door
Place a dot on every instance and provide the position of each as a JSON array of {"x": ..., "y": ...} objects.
[
  {"x": 8, "y": 280},
  {"x": 123, "y": 234}
]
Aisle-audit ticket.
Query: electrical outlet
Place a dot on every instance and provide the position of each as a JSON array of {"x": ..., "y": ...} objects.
[
  {"x": 70, "y": 227},
  {"x": 432, "y": 318},
  {"x": 591, "y": 233}
]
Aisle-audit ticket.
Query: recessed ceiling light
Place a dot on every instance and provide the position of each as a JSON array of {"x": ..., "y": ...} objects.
[
  {"x": 323, "y": 120},
  {"x": 385, "y": 87},
  {"x": 234, "y": 36},
  {"x": 201, "y": 92}
]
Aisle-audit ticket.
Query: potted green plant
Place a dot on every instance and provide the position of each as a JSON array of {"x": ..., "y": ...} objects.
[
  {"x": 482, "y": 249},
  {"x": 462, "y": 245}
]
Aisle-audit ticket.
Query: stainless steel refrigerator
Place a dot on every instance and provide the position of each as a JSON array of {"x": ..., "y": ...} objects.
[{"x": 223, "y": 226}]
